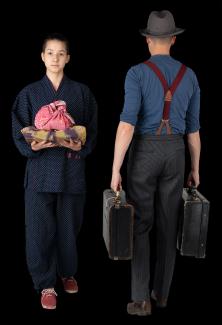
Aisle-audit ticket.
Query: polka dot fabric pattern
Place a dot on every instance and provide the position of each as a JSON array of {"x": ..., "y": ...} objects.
[
  {"x": 53, "y": 222},
  {"x": 55, "y": 169}
]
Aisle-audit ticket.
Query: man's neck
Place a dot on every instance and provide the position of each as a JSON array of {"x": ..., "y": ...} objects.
[{"x": 159, "y": 51}]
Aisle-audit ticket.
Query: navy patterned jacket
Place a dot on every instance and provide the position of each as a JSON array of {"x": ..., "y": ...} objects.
[{"x": 55, "y": 169}]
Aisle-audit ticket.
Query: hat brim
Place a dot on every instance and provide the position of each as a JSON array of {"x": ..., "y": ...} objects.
[{"x": 145, "y": 32}]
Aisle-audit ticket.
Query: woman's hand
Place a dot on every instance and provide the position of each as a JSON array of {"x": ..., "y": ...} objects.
[
  {"x": 42, "y": 145},
  {"x": 73, "y": 145}
]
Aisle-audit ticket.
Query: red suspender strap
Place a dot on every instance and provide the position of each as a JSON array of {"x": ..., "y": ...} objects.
[
  {"x": 168, "y": 92},
  {"x": 178, "y": 78},
  {"x": 159, "y": 74}
]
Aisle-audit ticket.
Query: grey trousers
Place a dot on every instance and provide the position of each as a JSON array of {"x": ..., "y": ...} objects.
[{"x": 155, "y": 177}]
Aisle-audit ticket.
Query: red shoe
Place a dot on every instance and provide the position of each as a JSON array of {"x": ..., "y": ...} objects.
[
  {"x": 70, "y": 285},
  {"x": 48, "y": 298}
]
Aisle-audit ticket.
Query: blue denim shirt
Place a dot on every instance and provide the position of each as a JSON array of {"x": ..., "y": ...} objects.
[{"x": 144, "y": 98}]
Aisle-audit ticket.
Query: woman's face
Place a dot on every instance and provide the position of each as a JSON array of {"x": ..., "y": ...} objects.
[{"x": 55, "y": 56}]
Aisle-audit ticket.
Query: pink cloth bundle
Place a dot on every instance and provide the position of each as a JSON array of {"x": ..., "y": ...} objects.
[{"x": 53, "y": 117}]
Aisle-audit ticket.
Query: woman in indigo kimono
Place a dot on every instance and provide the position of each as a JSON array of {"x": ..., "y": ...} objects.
[{"x": 55, "y": 174}]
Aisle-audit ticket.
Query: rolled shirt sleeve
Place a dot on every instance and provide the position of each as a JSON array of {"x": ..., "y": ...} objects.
[
  {"x": 193, "y": 111},
  {"x": 133, "y": 97}
]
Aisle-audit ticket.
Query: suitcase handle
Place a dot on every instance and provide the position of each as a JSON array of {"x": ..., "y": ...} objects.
[
  {"x": 192, "y": 190},
  {"x": 117, "y": 199}
]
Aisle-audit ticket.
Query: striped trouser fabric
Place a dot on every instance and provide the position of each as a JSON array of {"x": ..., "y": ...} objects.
[{"x": 155, "y": 178}]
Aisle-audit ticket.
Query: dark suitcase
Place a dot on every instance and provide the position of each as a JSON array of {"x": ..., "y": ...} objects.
[
  {"x": 118, "y": 218},
  {"x": 193, "y": 224}
]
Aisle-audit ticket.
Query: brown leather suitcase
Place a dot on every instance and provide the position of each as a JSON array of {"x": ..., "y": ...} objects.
[
  {"x": 193, "y": 224},
  {"x": 118, "y": 218}
]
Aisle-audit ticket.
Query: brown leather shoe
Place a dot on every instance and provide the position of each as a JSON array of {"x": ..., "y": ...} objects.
[
  {"x": 140, "y": 308},
  {"x": 160, "y": 302}
]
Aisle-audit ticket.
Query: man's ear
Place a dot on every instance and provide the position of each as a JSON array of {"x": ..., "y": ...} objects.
[
  {"x": 173, "y": 40},
  {"x": 148, "y": 40}
]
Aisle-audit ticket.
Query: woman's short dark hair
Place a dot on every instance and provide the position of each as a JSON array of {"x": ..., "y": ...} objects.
[{"x": 58, "y": 37}]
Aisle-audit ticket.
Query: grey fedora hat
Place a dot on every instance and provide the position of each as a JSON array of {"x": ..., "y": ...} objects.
[{"x": 161, "y": 24}]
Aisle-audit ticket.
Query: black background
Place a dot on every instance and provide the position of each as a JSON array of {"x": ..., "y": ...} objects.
[{"x": 105, "y": 43}]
